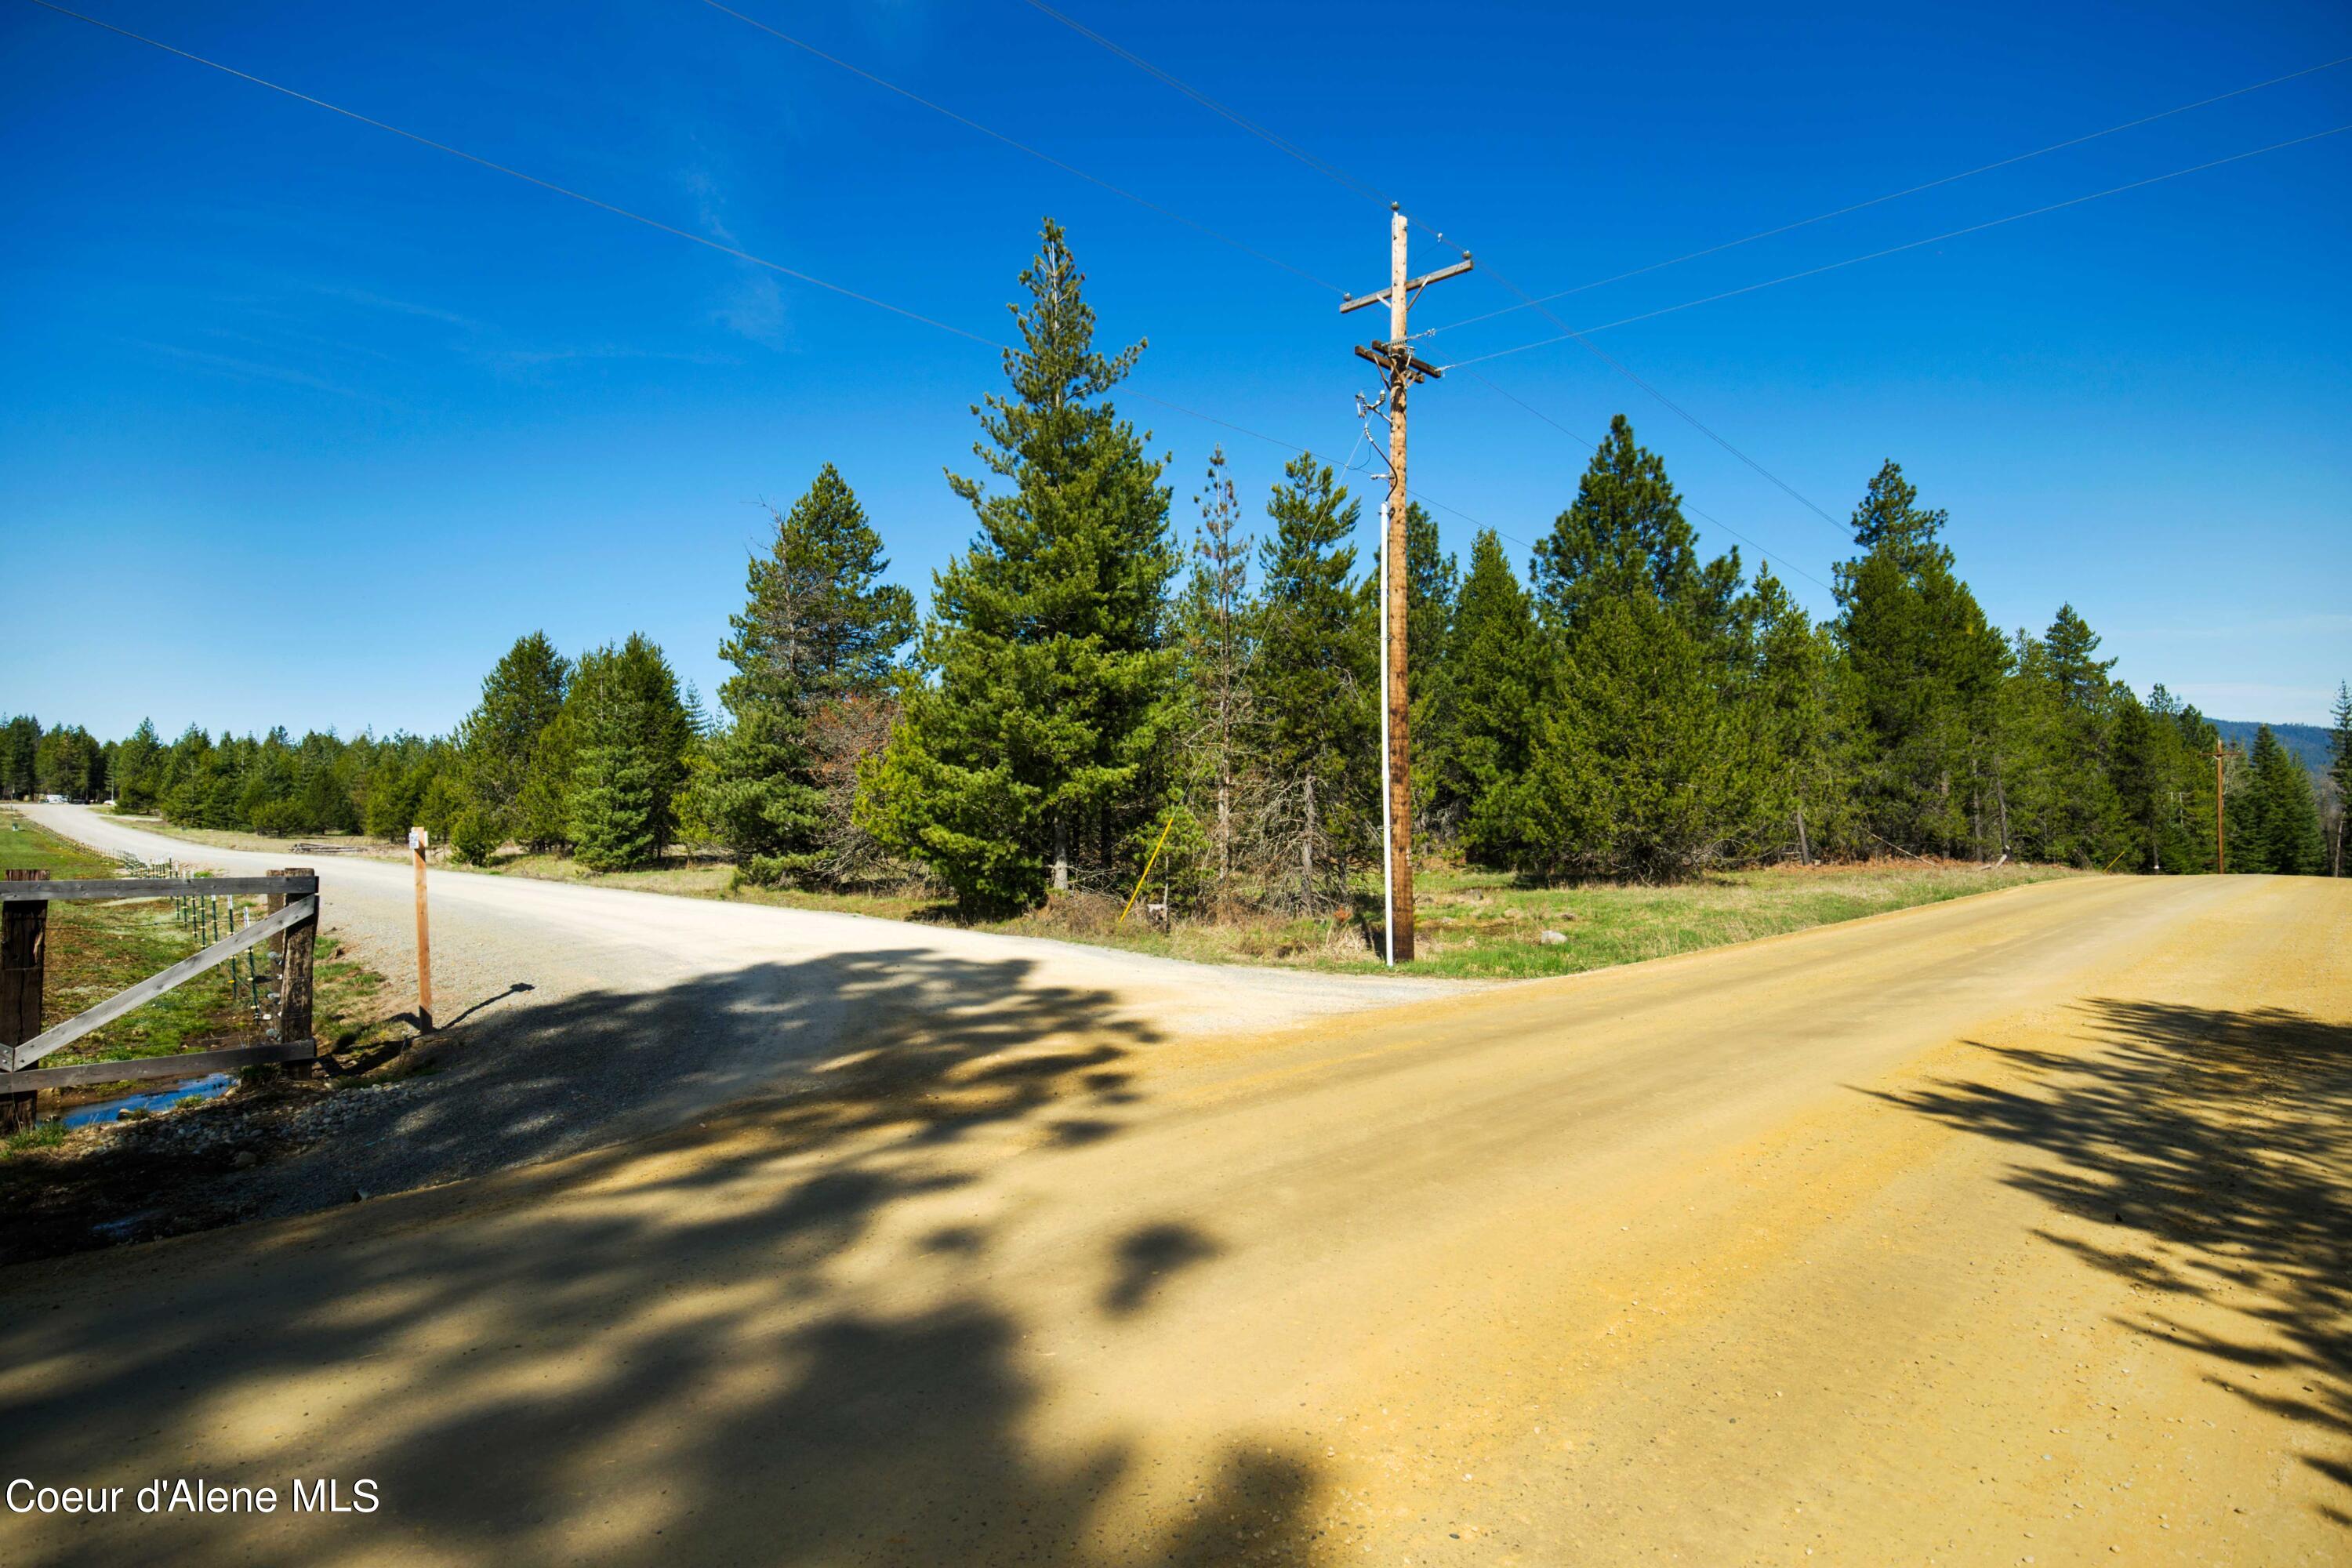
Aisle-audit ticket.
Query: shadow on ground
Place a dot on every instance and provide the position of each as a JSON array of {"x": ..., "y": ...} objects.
[
  {"x": 659, "y": 1350},
  {"x": 2215, "y": 1147}
]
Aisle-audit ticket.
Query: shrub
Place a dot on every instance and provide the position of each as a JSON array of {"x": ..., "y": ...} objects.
[{"x": 475, "y": 836}]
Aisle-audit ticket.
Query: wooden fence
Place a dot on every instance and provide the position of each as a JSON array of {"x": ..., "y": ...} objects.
[{"x": 289, "y": 927}]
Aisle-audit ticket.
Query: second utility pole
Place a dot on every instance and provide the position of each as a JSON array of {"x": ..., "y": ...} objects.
[{"x": 1394, "y": 356}]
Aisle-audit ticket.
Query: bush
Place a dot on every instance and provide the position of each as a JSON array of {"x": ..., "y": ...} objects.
[
  {"x": 475, "y": 836},
  {"x": 764, "y": 870}
]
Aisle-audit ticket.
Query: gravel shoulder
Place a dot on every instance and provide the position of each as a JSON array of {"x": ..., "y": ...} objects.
[{"x": 575, "y": 1017}]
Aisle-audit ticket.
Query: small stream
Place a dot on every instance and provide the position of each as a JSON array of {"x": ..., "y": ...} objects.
[{"x": 171, "y": 1094}]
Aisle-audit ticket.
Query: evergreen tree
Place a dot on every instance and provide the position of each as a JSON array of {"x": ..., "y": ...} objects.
[
  {"x": 137, "y": 764},
  {"x": 1624, "y": 534},
  {"x": 1216, "y": 622},
  {"x": 20, "y": 751},
  {"x": 520, "y": 698},
  {"x": 1042, "y": 740},
  {"x": 2274, "y": 826},
  {"x": 1313, "y": 681},
  {"x": 629, "y": 735},
  {"x": 1801, "y": 714},
  {"x": 2339, "y": 771},
  {"x": 1500, "y": 684},
  {"x": 820, "y": 627},
  {"x": 1926, "y": 667},
  {"x": 1639, "y": 770},
  {"x": 1432, "y": 587}
]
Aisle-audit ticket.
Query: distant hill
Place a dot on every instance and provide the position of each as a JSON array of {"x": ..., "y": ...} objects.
[{"x": 2309, "y": 742}]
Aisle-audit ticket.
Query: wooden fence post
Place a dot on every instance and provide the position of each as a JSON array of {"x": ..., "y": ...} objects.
[
  {"x": 24, "y": 944},
  {"x": 294, "y": 981}
]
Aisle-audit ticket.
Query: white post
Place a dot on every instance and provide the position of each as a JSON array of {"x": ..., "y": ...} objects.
[{"x": 1387, "y": 860}]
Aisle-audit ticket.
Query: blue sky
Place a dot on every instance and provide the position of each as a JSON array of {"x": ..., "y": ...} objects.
[{"x": 306, "y": 423}]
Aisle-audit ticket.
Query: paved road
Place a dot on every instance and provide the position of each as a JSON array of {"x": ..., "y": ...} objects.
[
  {"x": 590, "y": 1014},
  {"x": 2008, "y": 1229}
]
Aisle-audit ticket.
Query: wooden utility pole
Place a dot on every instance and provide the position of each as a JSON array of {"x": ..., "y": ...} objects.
[
  {"x": 1399, "y": 369},
  {"x": 417, "y": 844},
  {"x": 2221, "y": 851}
]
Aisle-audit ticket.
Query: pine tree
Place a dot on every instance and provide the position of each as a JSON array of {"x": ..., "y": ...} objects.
[
  {"x": 1314, "y": 680},
  {"x": 820, "y": 628},
  {"x": 1926, "y": 669},
  {"x": 1216, "y": 622},
  {"x": 2275, "y": 824},
  {"x": 137, "y": 764},
  {"x": 1500, "y": 684},
  {"x": 1044, "y": 738},
  {"x": 521, "y": 697},
  {"x": 2339, "y": 771},
  {"x": 1796, "y": 691},
  {"x": 626, "y": 728},
  {"x": 1624, "y": 534},
  {"x": 1639, "y": 770},
  {"x": 1433, "y": 587}
]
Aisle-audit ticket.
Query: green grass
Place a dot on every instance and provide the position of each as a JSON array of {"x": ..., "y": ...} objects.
[{"x": 1470, "y": 924}]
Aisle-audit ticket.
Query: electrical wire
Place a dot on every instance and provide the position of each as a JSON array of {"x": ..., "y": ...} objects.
[
  {"x": 566, "y": 191},
  {"x": 1898, "y": 250},
  {"x": 1341, "y": 177},
  {"x": 618, "y": 211},
  {"x": 1705, "y": 517},
  {"x": 1042, "y": 156},
  {"x": 1907, "y": 190},
  {"x": 1329, "y": 170}
]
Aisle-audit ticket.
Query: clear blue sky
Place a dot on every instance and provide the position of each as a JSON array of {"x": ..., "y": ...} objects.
[{"x": 305, "y": 423}]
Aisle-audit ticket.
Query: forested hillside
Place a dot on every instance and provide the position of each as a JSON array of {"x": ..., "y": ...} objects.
[{"x": 1093, "y": 676}]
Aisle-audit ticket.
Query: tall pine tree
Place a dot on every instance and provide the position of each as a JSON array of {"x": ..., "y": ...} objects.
[
  {"x": 1042, "y": 741},
  {"x": 1926, "y": 667}
]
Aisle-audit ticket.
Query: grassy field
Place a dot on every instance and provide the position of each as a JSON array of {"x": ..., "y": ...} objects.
[
  {"x": 1471, "y": 924},
  {"x": 97, "y": 949}
]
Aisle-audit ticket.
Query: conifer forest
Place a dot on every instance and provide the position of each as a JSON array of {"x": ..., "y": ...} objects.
[{"x": 1105, "y": 668}]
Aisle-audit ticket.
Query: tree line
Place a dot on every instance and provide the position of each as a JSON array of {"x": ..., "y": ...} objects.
[{"x": 1085, "y": 685}]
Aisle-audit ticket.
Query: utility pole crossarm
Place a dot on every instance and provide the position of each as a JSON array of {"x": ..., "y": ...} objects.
[
  {"x": 1411, "y": 286},
  {"x": 1387, "y": 355}
]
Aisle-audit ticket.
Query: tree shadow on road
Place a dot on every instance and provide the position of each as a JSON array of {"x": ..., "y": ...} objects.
[
  {"x": 2215, "y": 1148},
  {"x": 770, "y": 1336}
]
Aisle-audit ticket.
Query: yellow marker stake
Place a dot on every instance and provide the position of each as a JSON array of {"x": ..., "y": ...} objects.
[{"x": 1147, "y": 869}]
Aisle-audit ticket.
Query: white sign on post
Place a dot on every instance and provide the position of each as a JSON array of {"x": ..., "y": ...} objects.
[{"x": 416, "y": 838}]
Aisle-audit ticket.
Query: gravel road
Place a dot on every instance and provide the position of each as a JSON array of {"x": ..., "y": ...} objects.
[{"x": 584, "y": 1014}]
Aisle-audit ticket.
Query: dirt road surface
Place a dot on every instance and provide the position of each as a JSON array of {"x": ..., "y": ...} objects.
[{"x": 2008, "y": 1230}]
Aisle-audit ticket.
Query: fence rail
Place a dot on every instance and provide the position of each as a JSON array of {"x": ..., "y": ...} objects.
[{"x": 290, "y": 928}]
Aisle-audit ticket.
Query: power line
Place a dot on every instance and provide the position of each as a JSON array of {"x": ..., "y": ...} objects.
[
  {"x": 582, "y": 197},
  {"x": 1897, "y": 249},
  {"x": 1687, "y": 417},
  {"x": 1021, "y": 146},
  {"x": 1341, "y": 177},
  {"x": 1329, "y": 170},
  {"x": 1711, "y": 521},
  {"x": 1907, "y": 190},
  {"x": 602, "y": 206}
]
